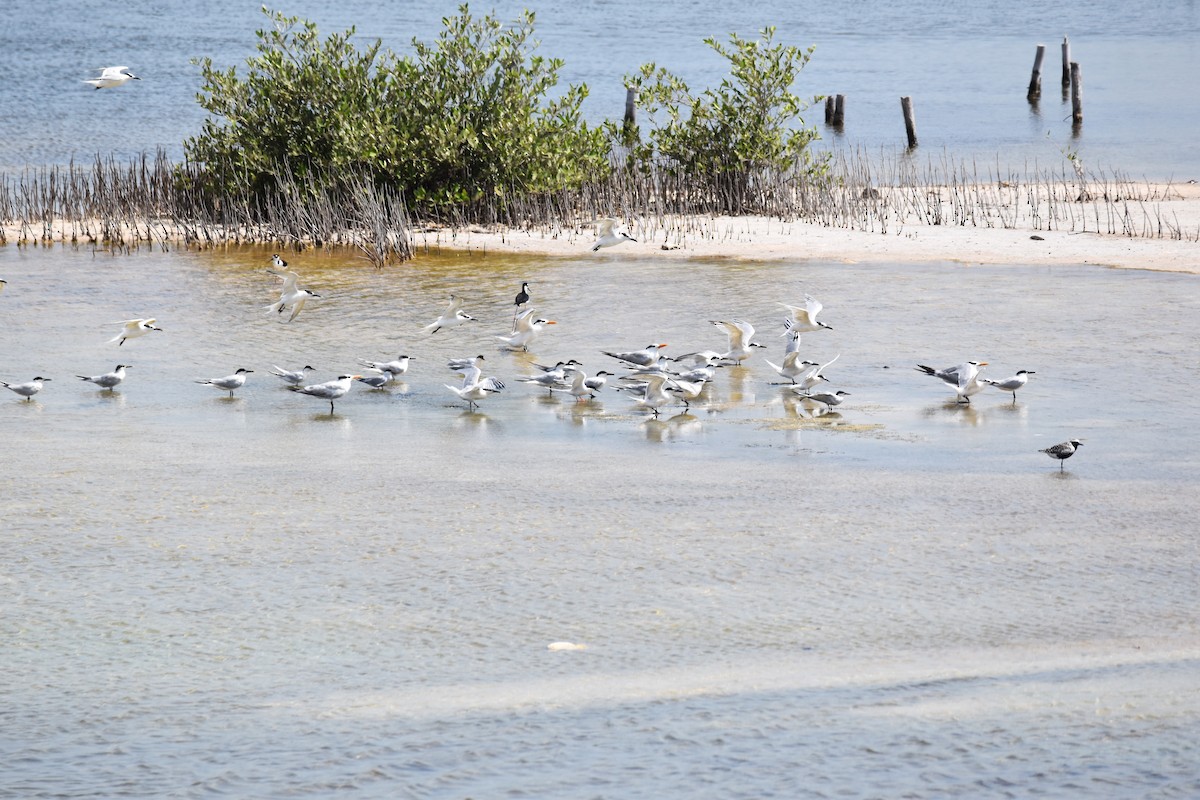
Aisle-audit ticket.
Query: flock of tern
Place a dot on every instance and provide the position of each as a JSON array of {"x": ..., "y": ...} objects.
[{"x": 651, "y": 380}]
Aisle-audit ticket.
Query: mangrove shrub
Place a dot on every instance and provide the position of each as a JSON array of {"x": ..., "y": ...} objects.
[
  {"x": 728, "y": 138},
  {"x": 466, "y": 119}
]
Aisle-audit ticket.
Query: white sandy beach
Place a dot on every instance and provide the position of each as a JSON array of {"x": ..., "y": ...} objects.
[{"x": 760, "y": 238}]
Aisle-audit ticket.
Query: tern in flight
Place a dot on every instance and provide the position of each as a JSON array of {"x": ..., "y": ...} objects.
[
  {"x": 804, "y": 318},
  {"x": 291, "y": 294},
  {"x": 133, "y": 329},
  {"x": 607, "y": 234},
  {"x": 453, "y": 316},
  {"x": 111, "y": 77}
]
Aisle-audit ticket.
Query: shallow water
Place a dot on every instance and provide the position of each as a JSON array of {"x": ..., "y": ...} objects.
[
  {"x": 254, "y": 597},
  {"x": 966, "y": 66}
]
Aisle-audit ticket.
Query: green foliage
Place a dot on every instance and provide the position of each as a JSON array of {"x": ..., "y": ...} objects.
[
  {"x": 466, "y": 119},
  {"x": 306, "y": 105},
  {"x": 748, "y": 125}
]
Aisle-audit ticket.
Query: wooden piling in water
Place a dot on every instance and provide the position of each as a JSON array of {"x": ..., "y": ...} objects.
[
  {"x": 910, "y": 123},
  {"x": 630, "y": 107},
  {"x": 1066, "y": 73},
  {"x": 1076, "y": 94},
  {"x": 1035, "y": 80},
  {"x": 829, "y": 110},
  {"x": 839, "y": 111}
]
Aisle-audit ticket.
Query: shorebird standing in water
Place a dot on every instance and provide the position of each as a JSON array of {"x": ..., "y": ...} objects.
[
  {"x": 521, "y": 299},
  {"x": 109, "y": 379},
  {"x": 1062, "y": 451},
  {"x": 235, "y": 381},
  {"x": 1013, "y": 383},
  {"x": 26, "y": 390},
  {"x": 963, "y": 379}
]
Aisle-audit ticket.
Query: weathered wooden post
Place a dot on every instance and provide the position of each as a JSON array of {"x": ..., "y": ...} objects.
[
  {"x": 1035, "y": 80},
  {"x": 630, "y": 107},
  {"x": 1076, "y": 94},
  {"x": 839, "y": 111},
  {"x": 910, "y": 124},
  {"x": 829, "y": 110},
  {"x": 1066, "y": 74}
]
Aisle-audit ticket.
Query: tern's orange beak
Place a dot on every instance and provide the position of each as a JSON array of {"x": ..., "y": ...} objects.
[{"x": 551, "y": 322}]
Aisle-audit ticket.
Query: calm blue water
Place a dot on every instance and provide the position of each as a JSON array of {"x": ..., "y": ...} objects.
[{"x": 965, "y": 65}]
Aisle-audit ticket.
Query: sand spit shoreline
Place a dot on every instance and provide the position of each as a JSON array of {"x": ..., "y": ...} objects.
[{"x": 1021, "y": 240}]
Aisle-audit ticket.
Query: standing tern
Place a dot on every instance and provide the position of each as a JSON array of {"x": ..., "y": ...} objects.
[
  {"x": 278, "y": 262},
  {"x": 109, "y": 379},
  {"x": 963, "y": 379},
  {"x": 740, "y": 334},
  {"x": 330, "y": 390},
  {"x": 133, "y": 329},
  {"x": 477, "y": 390},
  {"x": 804, "y": 318},
  {"x": 1013, "y": 383},
  {"x": 527, "y": 328},
  {"x": 1062, "y": 451},
  {"x": 549, "y": 377},
  {"x": 639, "y": 358},
  {"x": 687, "y": 390},
  {"x": 597, "y": 381},
  {"x": 826, "y": 398},
  {"x": 379, "y": 381},
  {"x": 111, "y": 77},
  {"x": 607, "y": 234},
  {"x": 656, "y": 394},
  {"x": 235, "y": 381},
  {"x": 295, "y": 378},
  {"x": 394, "y": 368},
  {"x": 578, "y": 387},
  {"x": 28, "y": 389},
  {"x": 452, "y": 316}
]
